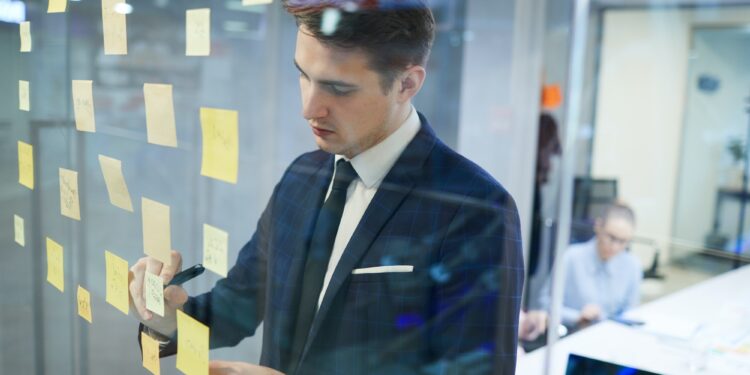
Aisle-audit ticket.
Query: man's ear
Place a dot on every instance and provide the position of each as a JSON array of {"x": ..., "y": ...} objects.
[{"x": 410, "y": 82}]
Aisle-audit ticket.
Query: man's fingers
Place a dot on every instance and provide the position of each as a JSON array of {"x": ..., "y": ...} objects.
[
  {"x": 168, "y": 272},
  {"x": 153, "y": 266},
  {"x": 239, "y": 368},
  {"x": 175, "y": 296},
  {"x": 136, "y": 288},
  {"x": 219, "y": 368}
]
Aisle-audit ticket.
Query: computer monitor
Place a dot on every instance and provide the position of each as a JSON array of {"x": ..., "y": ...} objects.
[
  {"x": 590, "y": 197},
  {"x": 580, "y": 365}
]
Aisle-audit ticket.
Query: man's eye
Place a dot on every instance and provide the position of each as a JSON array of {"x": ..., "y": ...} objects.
[{"x": 340, "y": 90}]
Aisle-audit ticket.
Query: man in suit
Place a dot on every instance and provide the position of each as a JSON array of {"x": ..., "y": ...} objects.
[{"x": 383, "y": 252}]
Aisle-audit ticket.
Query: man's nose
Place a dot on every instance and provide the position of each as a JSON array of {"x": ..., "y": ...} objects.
[{"x": 314, "y": 104}]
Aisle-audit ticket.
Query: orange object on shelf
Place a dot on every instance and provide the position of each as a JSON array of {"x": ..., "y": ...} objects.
[{"x": 551, "y": 97}]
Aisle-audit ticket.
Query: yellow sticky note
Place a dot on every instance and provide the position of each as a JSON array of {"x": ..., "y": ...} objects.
[
  {"x": 256, "y": 2},
  {"x": 25, "y": 31},
  {"x": 215, "y": 249},
  {"x": 26, "y": 165},
  {"x": 150, "y": 350},
  {"x": 198, "y": 32},
  {"x": 83, "y": 106},
  {"x": 69, "y": 204},
  {"x": 24, "y": 103},
  {"x": 192, "y": 345},
  {"x": 117, "y": 281},
  {"x": 220, "y": 144},
  {"x": 154, "y": 290},
  {"x": 84, "y": 303},
  {"x": 157, "y": 237},
  {"x": 55, "y": 273},
  {"x": 160, "y": 126},
  {"x": 117, "y": 189},
  {"x": 114, "y": 27},
  {"x": 18, "y": 230},
  {"x": 57, "y": 6}
]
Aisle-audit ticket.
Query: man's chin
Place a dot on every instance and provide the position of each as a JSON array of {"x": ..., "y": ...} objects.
[
  {"x": 327, "y": 147},
  {"x": 336, "y": 148}
]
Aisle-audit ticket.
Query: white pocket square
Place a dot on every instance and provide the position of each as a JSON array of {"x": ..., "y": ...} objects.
[{"x": 382, "y": 269}]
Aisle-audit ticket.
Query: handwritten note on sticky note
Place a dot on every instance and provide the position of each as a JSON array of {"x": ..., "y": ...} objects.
[
  {"x": 26, "y": 165},
  {"x": 84, "y": 303},
  {"x": 157, "y": 237},
  {"x": 57, "y": 6},
  {"x": 215, "y": 249},
  {"x": 160, "y": 127},
  {"x": 55, "y": 273},
  {"x": 198, "y": 32},
  {"x": 154, "y": 290},
  {"x": 24, "y": 103},
  {"x": 256, "y": 2},
  {"x": 69, "y": 204},
  {"x": 150, "y": 349},
  {"x": 220, "y": 144},
  {"x": 18, "y": 230},
  {"x": 83, "y": 106},
  {"x": 117, "y": 281},
  {"x": 192, "y": 345},
  {"x": 25, "y": 31},
  {"x": 114, "y": 27},
  {"x": 117, "y": 189}
]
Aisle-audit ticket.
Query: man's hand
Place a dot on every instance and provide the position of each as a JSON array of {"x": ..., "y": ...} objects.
[
  {"x": 590, "y": 313},
  {"x": 239, "y": 368},
  {"x": 174, "y": 296},
  {"x": 532, "y": 324}
]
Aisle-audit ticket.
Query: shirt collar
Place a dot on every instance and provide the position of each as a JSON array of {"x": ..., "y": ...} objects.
[{"x": 374, "y": 163}]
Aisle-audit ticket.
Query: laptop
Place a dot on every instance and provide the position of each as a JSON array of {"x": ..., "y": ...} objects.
[{"x": 580, "y": 365}]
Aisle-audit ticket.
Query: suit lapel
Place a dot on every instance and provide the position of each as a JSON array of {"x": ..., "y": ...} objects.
[
  {"x": 397, "y": 184},
  {"x": 312, "y": 182}
]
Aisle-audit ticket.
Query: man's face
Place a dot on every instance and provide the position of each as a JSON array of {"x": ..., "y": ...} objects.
[
  {"x": 613, "y": 236},
  {"x": 342, "y": 99}
]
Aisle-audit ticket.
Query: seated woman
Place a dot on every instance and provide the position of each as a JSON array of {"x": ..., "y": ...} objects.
[{"x": 602, "y": 280}]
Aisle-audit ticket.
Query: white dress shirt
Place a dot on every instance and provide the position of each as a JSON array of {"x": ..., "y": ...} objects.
[
  {"x": 614, "y": 284},
  {"x": 371, "y": 166}
]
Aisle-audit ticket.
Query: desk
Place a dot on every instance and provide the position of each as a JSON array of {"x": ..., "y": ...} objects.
[{"x": 647, "y": 348}]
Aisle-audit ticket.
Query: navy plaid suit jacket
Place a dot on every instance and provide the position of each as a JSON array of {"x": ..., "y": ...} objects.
[{"x": 435, "y": 210}]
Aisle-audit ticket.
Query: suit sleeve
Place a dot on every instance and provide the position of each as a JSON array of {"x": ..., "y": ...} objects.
[
  {"x": 233, "y": 309},
  {"x": 476, "y": 308}
]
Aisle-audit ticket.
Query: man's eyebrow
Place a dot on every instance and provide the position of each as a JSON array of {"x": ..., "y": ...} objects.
[
  {"x": 300, "y": 69},
  {"x": 328, "y": 82}
]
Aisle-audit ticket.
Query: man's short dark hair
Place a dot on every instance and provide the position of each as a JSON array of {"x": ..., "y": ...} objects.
[{"x": 393, "y": 34}]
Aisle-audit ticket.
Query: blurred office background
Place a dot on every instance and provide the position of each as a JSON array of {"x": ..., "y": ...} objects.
[{"x": 653, "y": 111}]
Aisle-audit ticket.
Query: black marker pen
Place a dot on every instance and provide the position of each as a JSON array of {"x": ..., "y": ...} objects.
[{"x": 187, "y": 274}]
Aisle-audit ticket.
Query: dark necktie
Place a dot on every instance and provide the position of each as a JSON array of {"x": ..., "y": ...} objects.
[{"x": 318, "y": 256}]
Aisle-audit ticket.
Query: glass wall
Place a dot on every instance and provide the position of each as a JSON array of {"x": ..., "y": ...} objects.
[
  {"x": 644, "y": 106},
  {"x": 250, "y": 70}
]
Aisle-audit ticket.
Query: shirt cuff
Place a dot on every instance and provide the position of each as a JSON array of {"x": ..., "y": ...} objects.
[{"x": 161, "y": 339}]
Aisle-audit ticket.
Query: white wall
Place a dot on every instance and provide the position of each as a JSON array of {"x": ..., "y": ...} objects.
[{"x": 640, "y": 107}]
